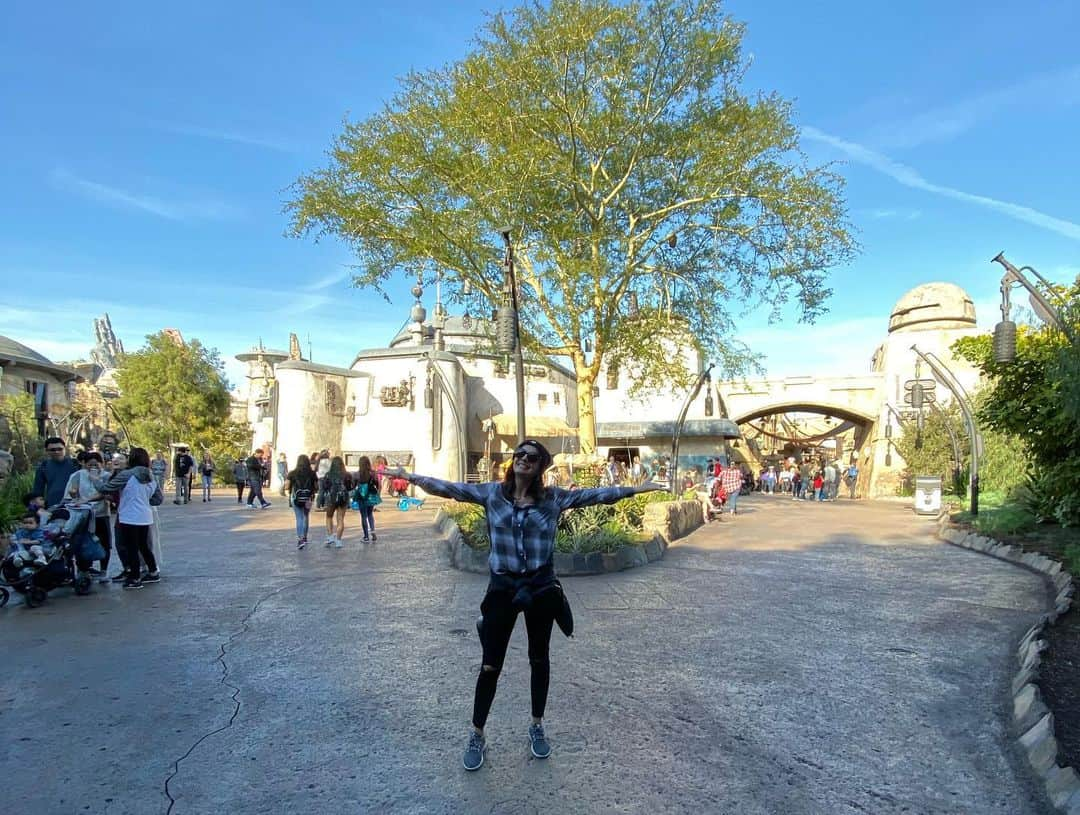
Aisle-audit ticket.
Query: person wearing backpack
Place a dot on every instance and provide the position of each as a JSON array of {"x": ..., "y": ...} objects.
[
  {"x": 300, "y": 486},
  {"x": 334, "y": 489},
  {"x": 367, "y": 497}
]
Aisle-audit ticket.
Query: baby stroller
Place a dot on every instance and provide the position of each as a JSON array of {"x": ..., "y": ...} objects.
[{"x": 68, "y": 538}]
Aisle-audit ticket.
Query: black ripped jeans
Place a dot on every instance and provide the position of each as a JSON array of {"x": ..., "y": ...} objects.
[{"x": 500, "y": 615}]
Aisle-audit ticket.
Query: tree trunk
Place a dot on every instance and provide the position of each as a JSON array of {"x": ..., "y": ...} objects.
[{"x": 586, "y": 414}]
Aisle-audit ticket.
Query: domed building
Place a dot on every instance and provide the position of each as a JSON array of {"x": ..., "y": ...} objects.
[
  {"x": 932, "y": 317},
  {"x": 438, "y": 399}
]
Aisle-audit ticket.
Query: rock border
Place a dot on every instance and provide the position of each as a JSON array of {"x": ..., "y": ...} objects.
[
  {"x": 1032, "y": 719},
  {"x": 467, "y": 559}
]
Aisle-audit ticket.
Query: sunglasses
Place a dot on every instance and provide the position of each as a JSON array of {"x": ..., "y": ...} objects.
[
  {"x": 532, "y": 458},
  {"x": 55, "y": 449}
]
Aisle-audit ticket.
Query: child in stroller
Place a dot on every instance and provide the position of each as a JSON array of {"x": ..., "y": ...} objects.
[
  {"x": 717, "y": 499},
  {"x": 67, "y": 549}
]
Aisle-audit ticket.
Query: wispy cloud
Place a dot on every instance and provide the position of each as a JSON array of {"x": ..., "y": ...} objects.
[
  {"x": 328, "y": 280},
  {"x": 900, "y": 214},
  {"x": 265, "y": 142},
  {"x": 905, "y": 175},
  {"x": 1059, "y": 88},
  {"x": 173, "y": 210}
]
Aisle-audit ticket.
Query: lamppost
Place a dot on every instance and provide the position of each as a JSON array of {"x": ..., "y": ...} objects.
[
  {"x": 703, "y": 377},
  {"x": 946, "y": 378},
  {"x": 508, "y": 332},
  {"x": 1005, "y": 331}
]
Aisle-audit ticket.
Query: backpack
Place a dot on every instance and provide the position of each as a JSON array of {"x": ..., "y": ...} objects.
[{"x": 339, "y": 494}]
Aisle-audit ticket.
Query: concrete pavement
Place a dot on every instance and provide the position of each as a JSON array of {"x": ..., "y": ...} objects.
[{"x": 802, "y": 659}]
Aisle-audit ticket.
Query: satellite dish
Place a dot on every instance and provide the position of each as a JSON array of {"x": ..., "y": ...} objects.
[{"x": 1040, "y": 310}]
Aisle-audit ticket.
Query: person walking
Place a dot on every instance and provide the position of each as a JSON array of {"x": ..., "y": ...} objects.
[
  {"x": 239, "y": 472},
  {"x": 731, "y": 479},
  {"x": 138, "y": 492},
  {"x": 52, "y": 475},
  {"x": 158, "y": 468},
  {"x": 255, "y": 480},
  {"x": 830, "y": 475},
  {"x": 522, "y": 517},
  {"x": 206, "y": 473},
  {"x": 852, "y": 478},
  {"x": 183, "y": 465},
  {"x": 300, "y": 485},
  {"x": 85, "y": 486},
  {"x": 282, "y": 473},
  {"x": 334, "y": 489},
  {"x": 367, "y": 496}
]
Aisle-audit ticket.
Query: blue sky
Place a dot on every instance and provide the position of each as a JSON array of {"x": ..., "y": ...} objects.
[{"x": 148, "y": 150}]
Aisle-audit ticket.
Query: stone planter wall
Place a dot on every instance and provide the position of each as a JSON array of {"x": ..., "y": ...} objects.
[
  {"x": 665, "y": 522},
  {"x": 1034, "y": 723}
]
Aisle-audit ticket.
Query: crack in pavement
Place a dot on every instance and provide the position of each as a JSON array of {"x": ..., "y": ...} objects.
[
  {"x": 224, "y": 681},
  {"x": 225, "y": 671}
]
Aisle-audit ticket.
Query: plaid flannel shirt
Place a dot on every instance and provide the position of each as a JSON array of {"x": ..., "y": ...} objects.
[{"x": 522, "y": 538}]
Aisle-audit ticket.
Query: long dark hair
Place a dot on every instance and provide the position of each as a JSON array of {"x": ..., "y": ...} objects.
[
  {"x": 303, "y": 473},
  {"x": 537, "y": 491},
  {"x": 363, "y": 472},
  {"x": 337, "y": 469},
  {"x": 138, "y": 457}
]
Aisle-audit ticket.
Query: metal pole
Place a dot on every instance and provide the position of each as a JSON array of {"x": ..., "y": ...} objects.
[
  {"x": 945, "y": 376},
  {"x": 679, "y": 426},
  {"x": 519, "y": 363}
]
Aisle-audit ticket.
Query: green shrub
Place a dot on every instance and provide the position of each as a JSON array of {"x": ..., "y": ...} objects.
[
  {"x": 599, "y": 528},
  {"x": 11, "y": 502}
]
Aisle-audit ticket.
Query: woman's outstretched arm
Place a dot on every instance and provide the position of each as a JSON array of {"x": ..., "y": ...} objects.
[
  {"x": 568, "y": 499},
  {"x": 466, "y": 493}
]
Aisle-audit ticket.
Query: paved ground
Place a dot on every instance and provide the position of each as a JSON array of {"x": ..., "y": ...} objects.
[{"x": 804, "y": 659}]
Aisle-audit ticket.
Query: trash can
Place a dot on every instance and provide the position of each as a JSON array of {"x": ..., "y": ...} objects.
[{"x": 927, "y": 494}]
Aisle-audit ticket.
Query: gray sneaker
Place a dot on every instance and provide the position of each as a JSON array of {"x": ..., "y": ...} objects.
[
  {"x": 538, "y": 742},
  {"x": 474, "y": 753}
]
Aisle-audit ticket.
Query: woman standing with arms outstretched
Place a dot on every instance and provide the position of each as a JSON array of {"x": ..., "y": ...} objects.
[{"x": 522, "y": 517}]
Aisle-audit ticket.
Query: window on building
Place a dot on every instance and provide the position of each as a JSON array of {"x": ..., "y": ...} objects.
[
  {"x": 556, "y": 398},
  {"x": 541, "y": 400}
]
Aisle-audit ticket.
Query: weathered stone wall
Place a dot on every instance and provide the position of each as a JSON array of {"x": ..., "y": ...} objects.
[{"x": 672, "y": 520}]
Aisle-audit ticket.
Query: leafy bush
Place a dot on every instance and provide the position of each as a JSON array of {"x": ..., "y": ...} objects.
[
  {"x": 472, "y": 522},
  {"x": 600, "y": 528},
  {"x": 11, "y": 502}
]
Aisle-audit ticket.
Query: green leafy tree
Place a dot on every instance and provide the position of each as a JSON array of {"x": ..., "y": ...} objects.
[
  {"x": 18, "y": 430},
  {"x": 174, "y": 391},
  {"x": 1002, "y": 466},
  {"x": 1032, "y": 398},
  {"x": 649, "y": 198}
]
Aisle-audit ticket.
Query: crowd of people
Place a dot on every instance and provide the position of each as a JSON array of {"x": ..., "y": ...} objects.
[{"x": 119, "y": 489}]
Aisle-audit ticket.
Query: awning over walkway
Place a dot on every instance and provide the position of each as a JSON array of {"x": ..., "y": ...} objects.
[
  {"x": 539, "y": 427},
  {"x": 692, "y": 428}
]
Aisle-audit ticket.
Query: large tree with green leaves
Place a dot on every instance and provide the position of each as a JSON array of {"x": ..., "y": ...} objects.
[
  {"x": 176, "y": 391},
  {"x": 618, "y": 144},
  {"x": 1036, "y": 398}
]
